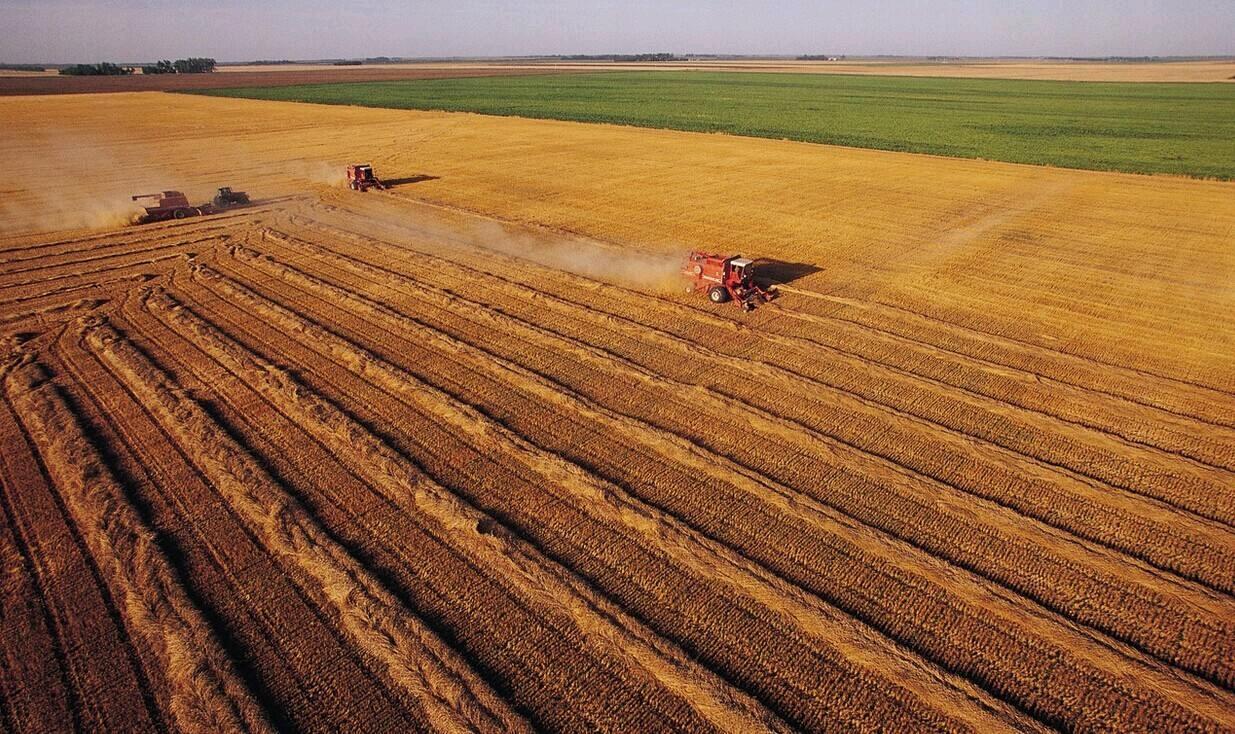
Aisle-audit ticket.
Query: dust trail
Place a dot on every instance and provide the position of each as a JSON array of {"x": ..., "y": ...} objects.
[
  {"x": 621, "y": 266},
  {"x": 73, "y": 182},
  {"x": 69, "y": 178},
  {"x": 315, "y": 172},
  {"x": 609, "y": 263}
]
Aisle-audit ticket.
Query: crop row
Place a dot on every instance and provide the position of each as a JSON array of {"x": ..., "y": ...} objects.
[
  {"x": 1105, "y": 375},
  {"x": 58, "y": 668},
  {"x": 1029, "y": 569},
  {"x": 450, "y": 695},
  {"x": 290, "y": 645},
  {"x": 589, "y": 519},
  {"x": 846, "y": 343},
  {"x": 563, "y": 605},
  {"x": 853, "y": 386},
  {"x": 206, "y": 693},
  {"x": 948, "y": 644},
  {"x": 971, "y": 341}
]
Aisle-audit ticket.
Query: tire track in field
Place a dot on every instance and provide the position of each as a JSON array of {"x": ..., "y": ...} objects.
[
  {"x": 1090, "y": 463},
  {"x": 127, "y": 240},
  {"x": 131, "y": 236},
  {"x": 122, "y": 256},
  {"x": 1188, "y": 397},
  {"x": 100, "y": 285},
  {"x": 525, "y": 572},
  {"x": 537, "y": 654},
  {"x": 557, "y": 392},
  {"x": 1195, "y": 443},
  {"x": 451, "y": 696},
  {"x": 141, "y": 267},
  {"x": 607, "y": 504},
  {"x": 31, "y": 651},
  {"x": 106, "y": 691},
  {"x": 206, "y": 695},
  {"x": 1043, "y": 361},
  {"x": 1003, "y": 569},
  {"x": 255, "y": 591}
]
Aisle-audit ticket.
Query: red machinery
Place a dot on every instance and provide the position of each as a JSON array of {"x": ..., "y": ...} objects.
[
  {"x": 175, "y": 205},
  {"x": 724, "y": 279},
  {"x": 360, "y": 178},
  {"x": 166, "y": 205}
]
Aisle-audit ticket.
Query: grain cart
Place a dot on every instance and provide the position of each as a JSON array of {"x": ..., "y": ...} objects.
[
  {"x": 360, "y": 177},
  {"x": 166, "y": 205},
  {"x": 226, "y": 198},
  {"x": 724, "y": 279}
]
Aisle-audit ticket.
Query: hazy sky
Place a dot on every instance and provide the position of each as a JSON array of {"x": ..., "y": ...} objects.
[{"x": 232, "y": 30}]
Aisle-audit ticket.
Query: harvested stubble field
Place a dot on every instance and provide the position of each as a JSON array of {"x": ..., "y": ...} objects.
[{"x": 431, "y": 459}]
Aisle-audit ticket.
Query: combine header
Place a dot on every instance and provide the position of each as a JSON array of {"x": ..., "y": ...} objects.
[
  {"x": 725, "y": 279},
  {"x": 360, "y": 177}
]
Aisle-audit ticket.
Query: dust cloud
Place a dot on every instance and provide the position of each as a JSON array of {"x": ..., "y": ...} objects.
[
  {"x": 74, "y": 184},
  {"x": 640, "y": 269}
]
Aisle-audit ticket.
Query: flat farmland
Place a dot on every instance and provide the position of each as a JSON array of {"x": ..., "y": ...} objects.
[
  {"x": 461, "y": 456},
  {"x": 1181, "y": 129},
  {"x": 27, "y": 83}
]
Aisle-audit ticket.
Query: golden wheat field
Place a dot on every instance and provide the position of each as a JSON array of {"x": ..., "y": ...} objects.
[{"x": 460, "y": 455}]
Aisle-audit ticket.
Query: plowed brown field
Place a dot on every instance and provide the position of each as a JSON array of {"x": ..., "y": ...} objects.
[{"x": 456, "y": 457}]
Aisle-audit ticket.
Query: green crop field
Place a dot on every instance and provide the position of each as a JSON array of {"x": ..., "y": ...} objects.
[{"x": 1186, "y": 129}]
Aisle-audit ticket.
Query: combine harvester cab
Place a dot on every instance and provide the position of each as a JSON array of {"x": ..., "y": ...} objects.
[
  {"x": 725, "y": 279},
  {"x": 360, "y": 177},
  {"x": 165, "y": 205}
]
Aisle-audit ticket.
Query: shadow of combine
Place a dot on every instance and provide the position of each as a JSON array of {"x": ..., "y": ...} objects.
[
  {"x": 393, "y": 182},
  {"x": 780, "y": 272}
]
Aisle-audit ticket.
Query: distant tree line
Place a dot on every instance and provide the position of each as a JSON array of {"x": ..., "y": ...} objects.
[
  {"x": 181, "y": 66},
  {"x": 622, "y": 57},
  {"x": 22, "y": 67},
  {"x": 820, "y": 57},
  {"x": 348, "y": 62},
  {"x": 101, "y": 69}
]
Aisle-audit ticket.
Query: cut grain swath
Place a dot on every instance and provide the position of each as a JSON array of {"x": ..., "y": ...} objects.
[
  {"x": 451, "y": 696},
  {"x": 928, "y": 631},
  {"x": 781, "y": 608},
  {"x": 518, "y": 566},
  {"x": 206, "y": 693}
]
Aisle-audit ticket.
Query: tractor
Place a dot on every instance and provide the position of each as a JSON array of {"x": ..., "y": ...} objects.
[
  {"x": 360, "y": 177},
  {"x": 226, "y": 198},
  {"x": 725, "y": 279}
]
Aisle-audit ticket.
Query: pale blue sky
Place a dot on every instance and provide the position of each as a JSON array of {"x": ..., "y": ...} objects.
[{"x": 231, "y": 30}]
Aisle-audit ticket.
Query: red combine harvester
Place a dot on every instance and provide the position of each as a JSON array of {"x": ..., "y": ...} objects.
[
  {"x": 175, "y": 205},
  {"x": 360, "y": 178},
  {"x": 166, "y": 205},
  {"x": 725, "y": 279}
]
